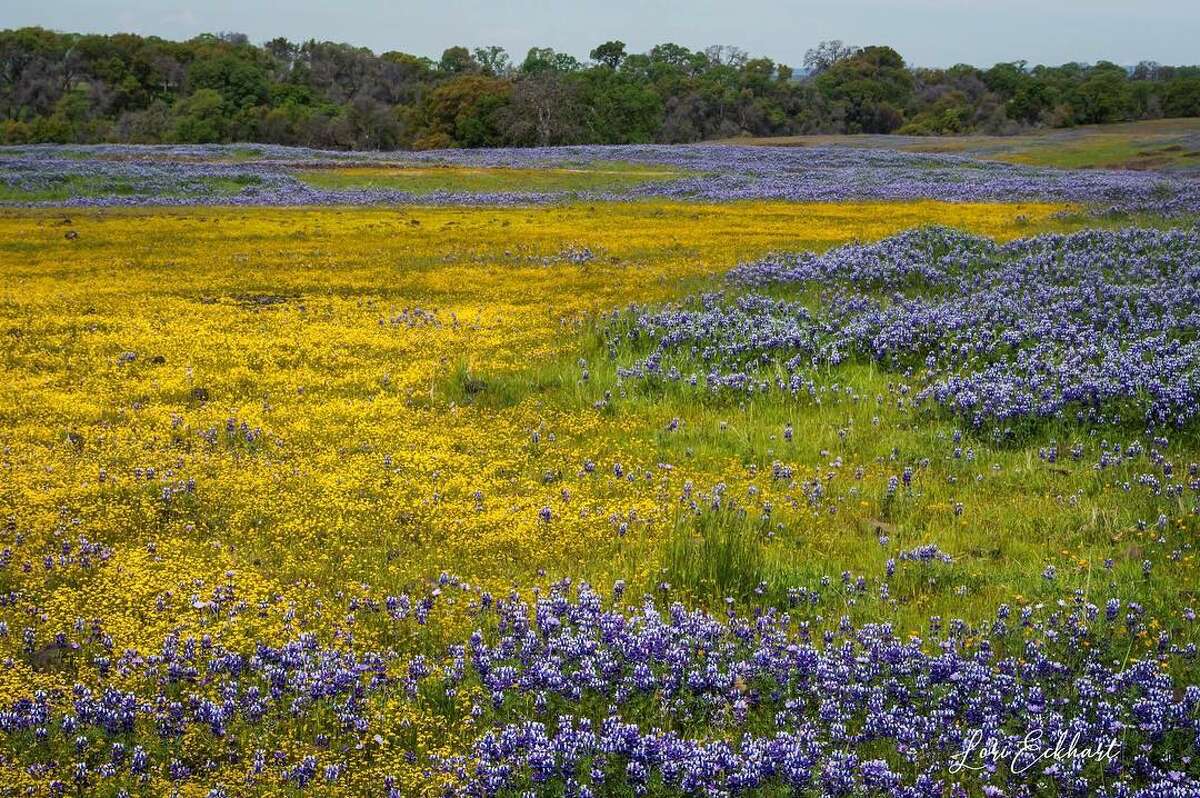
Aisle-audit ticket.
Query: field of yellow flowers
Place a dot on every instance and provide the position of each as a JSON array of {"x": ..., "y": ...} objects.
[
  {"x": 231, "y": 428},
  {"x": 272, "y": 392}
]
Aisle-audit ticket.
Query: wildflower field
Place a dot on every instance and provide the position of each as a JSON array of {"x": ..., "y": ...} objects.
[{"x": 595, "y": 471}]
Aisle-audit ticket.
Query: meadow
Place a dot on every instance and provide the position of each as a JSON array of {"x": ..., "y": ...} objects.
[
  {"x": 603, "y": 471},
  {"x": 1171, "y": 145}
]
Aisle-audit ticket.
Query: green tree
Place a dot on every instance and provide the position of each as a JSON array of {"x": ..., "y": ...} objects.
[
  {"x": 493, "y": 60},
  {"x": 463, "y": 112},
  {"x": 610, "y": 54},
  {"x": 457, "y": 61},
  {"x": 545, "y": 59},
  {"x": 1104, "y": 96},
  {"x": 872, "y": 86}
]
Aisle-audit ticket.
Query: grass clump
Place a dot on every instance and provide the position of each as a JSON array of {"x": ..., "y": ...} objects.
[{"x": 714, "y": 554}]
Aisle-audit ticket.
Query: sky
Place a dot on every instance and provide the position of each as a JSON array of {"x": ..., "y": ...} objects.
[{"x": 926, "y": 32}]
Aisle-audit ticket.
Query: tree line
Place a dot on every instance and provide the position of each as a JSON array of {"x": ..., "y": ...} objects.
[{"x": 81, "y": 88}]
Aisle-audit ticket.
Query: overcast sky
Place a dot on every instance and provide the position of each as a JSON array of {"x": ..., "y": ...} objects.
[{"x": 926, "y": 32}]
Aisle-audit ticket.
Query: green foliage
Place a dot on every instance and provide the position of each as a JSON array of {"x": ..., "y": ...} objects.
[
  {"x": 239, "y": 84},
  {"x": 463, "y": 111},
  {"x": 715, "y": 553},
  {"x": 544, "y": 59},
  {"x": 457, "y": 60},
  {"x": 58, "y": 87},
  {"x": 611, "y": 54},
  {"x": 872, "y": 85},
  {"x": 1183, "y": 98},
  {"x": 625, "y": 111},
  {"x": 200, "y": 117},
  {"x": 950, "y": 114}
]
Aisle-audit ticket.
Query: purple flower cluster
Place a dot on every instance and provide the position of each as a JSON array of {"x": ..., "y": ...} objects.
[
  {"x": 152, "y": 714},
  {"x": 576, "y": 694},
  {"x": 927, "y": 553},
  {"x": 184, "y": 175},
  {"x": 201, "y": 689},
  {"x": 588, "y": 701},
  {"x": 1101, "y": 325}
]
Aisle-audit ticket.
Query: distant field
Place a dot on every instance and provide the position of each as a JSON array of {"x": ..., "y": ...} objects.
[
  {"x": 1160, "y": 144},
  {"x": 429, "y": 179}
]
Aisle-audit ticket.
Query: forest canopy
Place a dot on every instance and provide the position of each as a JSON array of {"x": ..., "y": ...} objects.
[{"x": 81, "y": 88}]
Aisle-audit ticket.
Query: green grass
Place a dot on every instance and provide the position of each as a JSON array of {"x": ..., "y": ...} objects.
[
  {"x": 243, "y": 154},
  {"x": 1020, "y": 513},
  {"x": 715, "y": 553},
  {"x": 66, "y": 188},
  {"x": 600, "y": 176},
  {"x": 1159, "y": 145},
  {"x": 1109, "y": 152},
  {"x": 75, "y": 186}
]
